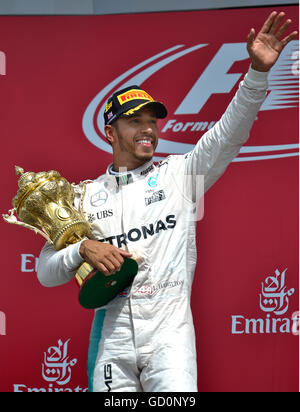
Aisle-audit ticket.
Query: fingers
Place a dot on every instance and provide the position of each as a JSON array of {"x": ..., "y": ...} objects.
[
  {"x": 111, "y": 264},
  {"x": 114, "y": 261},
  {"x": 103, "y": 269},
  {"x": 275, "y": 22},
  {"x": 250, "y": 37},
  {"x": 283, "y": 28},
  {"x": 110, "y": 261},
  {"x": 272, "y": 24},
  {"x": 289, "y": 38},
  {"x": 103, "y": 256},
  {"x": 124, "y": 253},
  {"x": 268, "y": 23}
]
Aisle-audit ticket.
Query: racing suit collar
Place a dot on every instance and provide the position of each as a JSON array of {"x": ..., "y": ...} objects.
[{"x": 126, "y": 177}]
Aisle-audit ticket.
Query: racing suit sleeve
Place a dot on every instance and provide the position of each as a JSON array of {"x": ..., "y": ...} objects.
[
  {"x": 58, "y": 267},
  {"x": 221, "y": 144}
]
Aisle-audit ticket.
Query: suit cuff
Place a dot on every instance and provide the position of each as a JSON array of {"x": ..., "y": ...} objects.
[
  {"x": 256, "y": 80},
  {"x": 73, "y": 258}
]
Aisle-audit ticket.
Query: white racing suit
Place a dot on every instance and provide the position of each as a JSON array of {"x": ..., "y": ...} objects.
[{"x": 143, "y": 340}]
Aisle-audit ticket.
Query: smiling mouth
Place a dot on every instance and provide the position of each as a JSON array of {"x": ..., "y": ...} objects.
[{"x": 145, "y": 142}]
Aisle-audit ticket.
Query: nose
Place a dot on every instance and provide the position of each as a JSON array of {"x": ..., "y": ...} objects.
[{"x": 147, "y": 128}]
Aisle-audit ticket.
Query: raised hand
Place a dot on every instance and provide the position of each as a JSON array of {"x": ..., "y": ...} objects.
[{"x": 265, "y": 48}]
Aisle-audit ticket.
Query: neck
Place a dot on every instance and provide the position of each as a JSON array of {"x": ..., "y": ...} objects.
[
  {"x": 119, "y": 166},
  {"x": 125, "y": 169}
]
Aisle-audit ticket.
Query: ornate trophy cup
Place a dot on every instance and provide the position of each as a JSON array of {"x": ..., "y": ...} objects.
[{"x": 44, "y": 204}]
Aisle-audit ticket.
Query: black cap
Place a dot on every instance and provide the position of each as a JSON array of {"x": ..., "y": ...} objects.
[{"x": 127, "y": 101}]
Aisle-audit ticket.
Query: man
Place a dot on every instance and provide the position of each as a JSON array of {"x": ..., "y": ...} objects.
[{"x": 143, "y": 340}]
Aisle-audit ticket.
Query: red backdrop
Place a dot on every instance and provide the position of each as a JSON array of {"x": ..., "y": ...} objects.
[{"x": 58, "y": 73}]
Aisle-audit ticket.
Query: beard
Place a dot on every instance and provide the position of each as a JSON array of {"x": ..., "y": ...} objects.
[{"x": 131, "y": 148}]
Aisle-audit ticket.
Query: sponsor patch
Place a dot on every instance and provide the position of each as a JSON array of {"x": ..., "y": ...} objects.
[
  {"x": 99, "y": 199},
  {"x": 154, "y": 289},
  {"x": 134, "y": 94},
  {"x": 108, "y": 376},
  {"x": 156, "y": 197},
  {"x": 108, "y": 106}
]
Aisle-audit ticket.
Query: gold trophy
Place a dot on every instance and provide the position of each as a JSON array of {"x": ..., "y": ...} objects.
[{"x": 44, "y": 204}]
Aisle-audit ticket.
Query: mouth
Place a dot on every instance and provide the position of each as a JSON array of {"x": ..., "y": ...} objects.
[{"x": 145, "y": 141}]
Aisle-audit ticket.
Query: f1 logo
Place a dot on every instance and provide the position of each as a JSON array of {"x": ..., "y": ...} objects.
[
  {"x": 2, "y": 63},
  {"x": 215, "y": 78}
]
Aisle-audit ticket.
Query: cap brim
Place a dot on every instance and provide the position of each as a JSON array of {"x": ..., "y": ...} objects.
[{"x": 158, "y": 107}]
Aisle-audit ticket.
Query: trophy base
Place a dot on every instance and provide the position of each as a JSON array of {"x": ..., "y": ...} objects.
[{"x": 97, "y": 290}]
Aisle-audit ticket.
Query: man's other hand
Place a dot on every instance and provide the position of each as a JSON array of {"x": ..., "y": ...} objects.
[{"x": 103, "y": 256}]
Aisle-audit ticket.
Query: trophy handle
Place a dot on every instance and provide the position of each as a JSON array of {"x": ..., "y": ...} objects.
[
  {"x": 82, "y": 272},
  {"x": 11, "y": 218}
]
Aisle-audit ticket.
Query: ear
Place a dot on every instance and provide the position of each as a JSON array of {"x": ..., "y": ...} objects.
[{"x": 110, "y": 133}]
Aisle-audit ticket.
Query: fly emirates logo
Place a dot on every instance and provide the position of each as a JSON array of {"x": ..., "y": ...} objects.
[
  {"x": 57, "y": 369},
  {"x": 274, "y": 301}
]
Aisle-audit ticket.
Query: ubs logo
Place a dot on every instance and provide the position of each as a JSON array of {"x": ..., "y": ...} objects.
[{"x": 91, "y": 217}]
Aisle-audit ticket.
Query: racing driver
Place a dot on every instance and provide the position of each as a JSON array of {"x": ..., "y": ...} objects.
[{"x": 143, "y": 340}]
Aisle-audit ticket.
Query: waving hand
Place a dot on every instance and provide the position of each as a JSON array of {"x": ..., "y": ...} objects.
[{"x": 265, "y": 48}]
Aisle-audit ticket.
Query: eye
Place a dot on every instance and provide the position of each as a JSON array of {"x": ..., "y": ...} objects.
[
  {"x": 134, "y": 120},
  {"x": 153, "y": 123}
]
